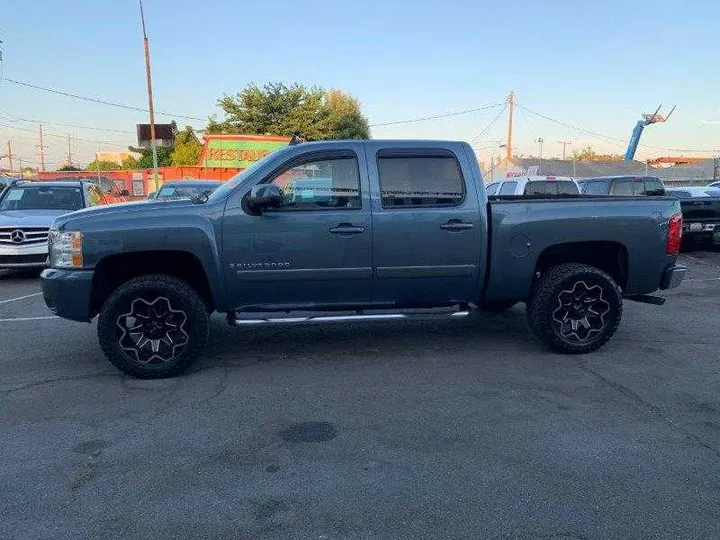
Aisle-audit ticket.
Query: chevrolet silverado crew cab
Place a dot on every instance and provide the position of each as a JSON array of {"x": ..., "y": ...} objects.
[{"x": 347, "y": 230}]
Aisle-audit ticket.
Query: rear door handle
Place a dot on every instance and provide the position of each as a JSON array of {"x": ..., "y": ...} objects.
[
  {"x": 456, "y": 225},
  {"x": 346, "y": 229}
]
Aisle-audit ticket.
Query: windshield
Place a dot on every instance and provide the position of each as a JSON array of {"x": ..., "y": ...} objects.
[
  {"x": 174, "y": 192},
  {"x": 42, "y": 198}
]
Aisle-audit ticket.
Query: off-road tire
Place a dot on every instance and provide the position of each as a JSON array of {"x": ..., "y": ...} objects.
[
  {"x": 546, "y": 308},
  {"x": 182, "y": 299}
]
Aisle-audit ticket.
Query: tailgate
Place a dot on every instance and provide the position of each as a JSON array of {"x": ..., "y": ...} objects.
[{"x": 701, "y": 210}]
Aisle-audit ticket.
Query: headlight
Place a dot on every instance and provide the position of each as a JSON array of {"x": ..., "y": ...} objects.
[{"x": 65, "y": 249}]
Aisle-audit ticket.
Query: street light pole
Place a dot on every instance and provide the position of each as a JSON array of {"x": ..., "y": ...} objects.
[{"x": 146, "y": 42}]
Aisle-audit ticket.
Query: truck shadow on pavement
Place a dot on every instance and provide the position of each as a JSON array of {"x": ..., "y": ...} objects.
[{"x": 477, "y": 334}]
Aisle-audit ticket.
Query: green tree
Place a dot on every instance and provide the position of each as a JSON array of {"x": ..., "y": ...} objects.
[
  {"x": 102, "y": 165},
  {"x": 344, "y": 119},
  {"x": 279, "y": 109},
  {"x": 129, "y": 162},
  {"x": 585, "y": 154},
  {"x": 187, "y": 148},
  {"x": 589, "y": 154},
  {"x": 69, "y": 168},
  {"x": 145, "y": 160}
]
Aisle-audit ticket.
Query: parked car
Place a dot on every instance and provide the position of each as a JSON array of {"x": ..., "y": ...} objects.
[
  {"x": 534, "y": 185},
  {"x": 715, "y": 185},
  {"x": 622, "y": 185},
  {"x": 701, "y": 213},
  {"x": 185, "y": 189},
  {"x": 5, "y": 182},
  {"x": 27, "y": 209},
  {"x": 415, "y": 229},
  {"x": 111, "y": 192}
]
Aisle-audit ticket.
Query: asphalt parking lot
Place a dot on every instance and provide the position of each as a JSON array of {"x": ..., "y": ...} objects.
[{"x": 443, "y": 429}]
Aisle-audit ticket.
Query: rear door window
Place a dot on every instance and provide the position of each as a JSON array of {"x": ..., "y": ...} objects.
[
  {"x": 596, "y": 187},
  {"x": 624, "y": 187},
  {"x": 420, "y": 180},
  {"x": 508, "y": 188}
]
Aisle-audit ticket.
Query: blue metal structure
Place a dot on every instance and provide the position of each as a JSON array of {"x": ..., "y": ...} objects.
[{"x": 640, "y": 126}]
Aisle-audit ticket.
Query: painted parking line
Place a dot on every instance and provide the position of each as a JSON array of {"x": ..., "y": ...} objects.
[
  {"x": 704, "y": 279},
  {"x": 24, "y": 319},
  {"x": 19, "y": 298}
]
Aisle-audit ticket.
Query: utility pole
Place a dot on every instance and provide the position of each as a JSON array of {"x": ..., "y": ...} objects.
[
  {"x": 565, "y": 145},
  {"x": 42, "y": 148},
  {"x": 150, "y": 98},
  {"x": 540, "y": 142},
  {"x": 9, "y": 155},
  {"x": 21, "y": 173},
  {"x": 511, "y": 105},
  {"x": 69, "y": 152}
]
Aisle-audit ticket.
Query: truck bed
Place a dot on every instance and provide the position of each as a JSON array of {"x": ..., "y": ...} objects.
[{"x": 523, "y": 231}]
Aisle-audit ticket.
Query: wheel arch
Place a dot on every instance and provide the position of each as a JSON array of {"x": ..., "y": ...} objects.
[
  {"x": 114, "y": 270},
  {"x": 609, "y": 256}
]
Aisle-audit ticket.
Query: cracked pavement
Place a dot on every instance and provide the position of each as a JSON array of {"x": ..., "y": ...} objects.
[{"x": 441, "y": 429}]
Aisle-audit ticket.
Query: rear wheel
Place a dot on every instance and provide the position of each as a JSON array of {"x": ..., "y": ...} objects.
[
  {"x": 575, "y": 308},
  {"x": 153, "y": 326}
]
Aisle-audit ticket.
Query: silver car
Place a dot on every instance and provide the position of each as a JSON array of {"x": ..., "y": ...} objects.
[{"x": 27, "y": 209}]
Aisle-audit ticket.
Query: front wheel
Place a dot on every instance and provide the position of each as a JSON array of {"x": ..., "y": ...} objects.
[
  {"x": 153, "y": 326},
  {"x": 575, "y": 308}
]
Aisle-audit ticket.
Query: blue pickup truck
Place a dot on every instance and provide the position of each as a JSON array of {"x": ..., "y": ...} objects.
[{"x": 349, "y": 230}]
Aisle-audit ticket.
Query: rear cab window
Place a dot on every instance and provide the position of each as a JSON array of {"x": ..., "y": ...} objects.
[
  {"x": 420, "y": 178},
  {"x": 653, "y": 186},
  {"x": 491, "y": 189},
  {"x": 551, "y": 187},
  {"x": 508, "y": 188},
  {"x": 596, "y": 187},
  {"x": 623, "y": 187}
]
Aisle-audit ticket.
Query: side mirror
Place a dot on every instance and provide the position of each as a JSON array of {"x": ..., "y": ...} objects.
[
  {"x": 265, "y": 196},
  {"x": 124, "y": 193}
]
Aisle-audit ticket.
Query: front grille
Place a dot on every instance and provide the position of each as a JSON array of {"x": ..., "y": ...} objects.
[
  {"x": 31, "y": 235},
  {"x": 40, "y": 258}
]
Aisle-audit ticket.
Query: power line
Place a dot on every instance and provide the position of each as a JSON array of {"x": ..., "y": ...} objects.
[
  {"x": 607, "y": 138},
  {"x": 490, "y": 125},
  {"x": 436, "y": 116},
  {"x": 98, "y": 101},
  {"x": 16, "y": 118},
  {"x": 49, "y": 134}
]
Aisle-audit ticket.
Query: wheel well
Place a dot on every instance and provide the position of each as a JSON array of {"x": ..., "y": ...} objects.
[
  {"x": 114, "y": 270},
  {"x": 611, "y": 257}
]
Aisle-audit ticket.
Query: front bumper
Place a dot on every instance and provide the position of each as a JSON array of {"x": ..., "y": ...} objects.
[
  {"x": 24, "y": 256},
  {"x": 68, "y": 293},
  {"x": 673, "y": 276}
]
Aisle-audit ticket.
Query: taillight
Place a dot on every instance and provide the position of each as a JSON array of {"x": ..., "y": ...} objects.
[{"x": 674, "y": 235}]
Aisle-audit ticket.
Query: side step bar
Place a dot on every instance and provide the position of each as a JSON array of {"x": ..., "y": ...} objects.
[{"x": 234, "y": 320}]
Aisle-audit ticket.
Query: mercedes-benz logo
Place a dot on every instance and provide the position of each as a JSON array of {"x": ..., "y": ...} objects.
[{"x": 17, "y": 236}]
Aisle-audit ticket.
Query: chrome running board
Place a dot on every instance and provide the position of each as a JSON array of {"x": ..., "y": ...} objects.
[{"x": 270, "y": 321}]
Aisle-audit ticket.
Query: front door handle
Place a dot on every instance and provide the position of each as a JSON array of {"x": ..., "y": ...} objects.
[
  {"x": 456, "y": 225},
  {"x": 346, "y": 229}
]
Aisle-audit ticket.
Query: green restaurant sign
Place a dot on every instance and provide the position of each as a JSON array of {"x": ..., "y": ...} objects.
[{"x": 238, "y": 151}]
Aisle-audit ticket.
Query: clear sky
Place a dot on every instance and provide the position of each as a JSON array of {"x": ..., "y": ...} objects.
[{"x": 594, "y": 64}]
